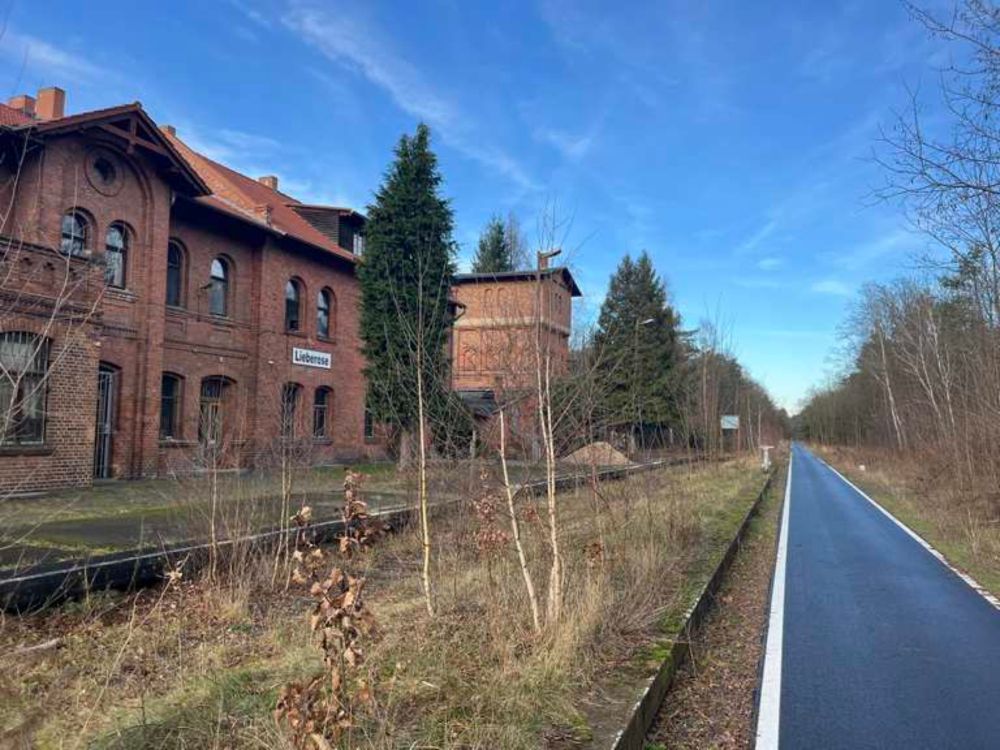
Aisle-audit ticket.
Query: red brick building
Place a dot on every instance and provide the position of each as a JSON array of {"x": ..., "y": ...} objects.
[
  {"x": 493, "y": 342},
  {"x": 506, "y": 321},
  {"x": 160, "y": 311}
]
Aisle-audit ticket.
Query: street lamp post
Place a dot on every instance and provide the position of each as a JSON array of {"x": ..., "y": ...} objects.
[{"x": 636, "y": 405}]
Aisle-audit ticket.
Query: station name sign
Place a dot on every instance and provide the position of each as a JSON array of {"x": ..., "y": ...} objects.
[{"x": 311, "y": 358}]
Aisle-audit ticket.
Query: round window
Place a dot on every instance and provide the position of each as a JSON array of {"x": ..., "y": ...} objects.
[{"x": 104, "y": 172}]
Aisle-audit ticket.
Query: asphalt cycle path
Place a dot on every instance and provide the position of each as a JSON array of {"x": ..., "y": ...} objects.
[{"x": 873, "y": 640}]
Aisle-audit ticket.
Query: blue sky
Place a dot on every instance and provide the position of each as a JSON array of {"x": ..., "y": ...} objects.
[{"x": 731, "y": 140}]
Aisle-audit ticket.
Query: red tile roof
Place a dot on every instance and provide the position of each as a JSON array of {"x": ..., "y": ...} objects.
[
  {"x": 246, "y": 197},
  {"x": 231, "y": 192},
  {"x": 186, "y": 173},
  {"x": 82, "y": 118},
  {"x": 10, "y": 116}
]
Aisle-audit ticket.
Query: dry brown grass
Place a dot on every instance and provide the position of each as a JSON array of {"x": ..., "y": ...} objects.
[
  {"x": 711, "y": 699},
  {"x": 961, "y": 521},
  {"x": 199, "y": 664}
]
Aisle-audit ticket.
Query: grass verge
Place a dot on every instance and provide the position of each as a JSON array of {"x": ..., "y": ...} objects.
[
  {"x": 711, "y": 701},
  {"x": 198, "y": 664}
]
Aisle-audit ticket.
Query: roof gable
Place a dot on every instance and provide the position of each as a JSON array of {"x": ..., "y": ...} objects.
[
  {"x": 194, "y": 175},
  {"x": 129, "y": 124}
]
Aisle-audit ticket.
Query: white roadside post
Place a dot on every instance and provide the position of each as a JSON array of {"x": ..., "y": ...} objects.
[{"x": 765, "y": 461}]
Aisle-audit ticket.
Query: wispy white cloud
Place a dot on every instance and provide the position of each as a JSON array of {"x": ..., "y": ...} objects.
[
  {"x": 249, "y": 141},
  {"x": 571, "y": 146},
  {"x": 251, "y": 13},
  {"x": 235, "y": 148},
  {"x": 826, "y": 44},
  {"x": 346, "y": 40},
  {"x": 754, "y": 241},
  {"x": 257, "y": 21},
  {"x": 245, "y": 33},
  {"x": 58, "y": 64},
  {"x": 254, "y": 155},
  {"x": 650, "y": 51},
  {"x": 831, "y": 286},
  {"x": 770, "y": 263},
  {"x": 897, "y": 242},
  {"x": 825, "y": 63},
  {"x": 908, "y": 42}
]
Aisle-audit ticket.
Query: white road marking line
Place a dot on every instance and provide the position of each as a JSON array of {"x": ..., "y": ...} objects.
[
  {"x": 769, "y": 711},
  {"x": 919, "y": 539}
]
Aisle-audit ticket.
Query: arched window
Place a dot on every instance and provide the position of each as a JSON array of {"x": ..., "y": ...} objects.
[
  {"x": 289, "y": 404},
  {"x": 170, "y": 406},
  {"x": 293, "y": 297},
  {"x": 218, "y": 288},
  {"x": 324, "y": 313},
  {"x": 469, "y": 359},
  {"x": 175, "y": 274},
  {"x": 212, "y": 412},
  {"x": 115, "y": 255},
  {"x": 321, "y": 412},
  {"x": 75, "y": 231},
  {"x": 24, "y": 362}
]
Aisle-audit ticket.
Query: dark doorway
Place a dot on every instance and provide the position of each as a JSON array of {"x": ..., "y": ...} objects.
[{"x": 107, "y": 387}]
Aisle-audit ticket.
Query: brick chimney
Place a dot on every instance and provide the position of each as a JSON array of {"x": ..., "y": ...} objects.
[
  {"x": 269, "y": 180},
  {"x": 169, "y": 130},
  {"x": 51, "y": 103},
  {"x": 23, "y": 103}
]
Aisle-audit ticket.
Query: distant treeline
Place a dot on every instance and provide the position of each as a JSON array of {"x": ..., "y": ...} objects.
[{"x": 922, "y": 375}]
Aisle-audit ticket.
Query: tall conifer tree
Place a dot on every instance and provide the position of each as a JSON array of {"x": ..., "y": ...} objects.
[
  {"x": 494, "y": 254},
  {"x": 639, "y": 348},
  {"x": 405, "y": 278}
]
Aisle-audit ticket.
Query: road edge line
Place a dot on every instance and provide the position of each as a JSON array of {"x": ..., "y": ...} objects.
[
  {"x": 969, "y": 580},
  {"x": 769, "y": 708}
]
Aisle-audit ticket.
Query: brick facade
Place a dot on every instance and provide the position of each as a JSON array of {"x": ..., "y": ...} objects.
[
  {"x": 494, "y": 355},
  {"x": 66, "y": 455},
  {"x": 160, "y": 193},
  {"x": 493, "y": 342}
]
